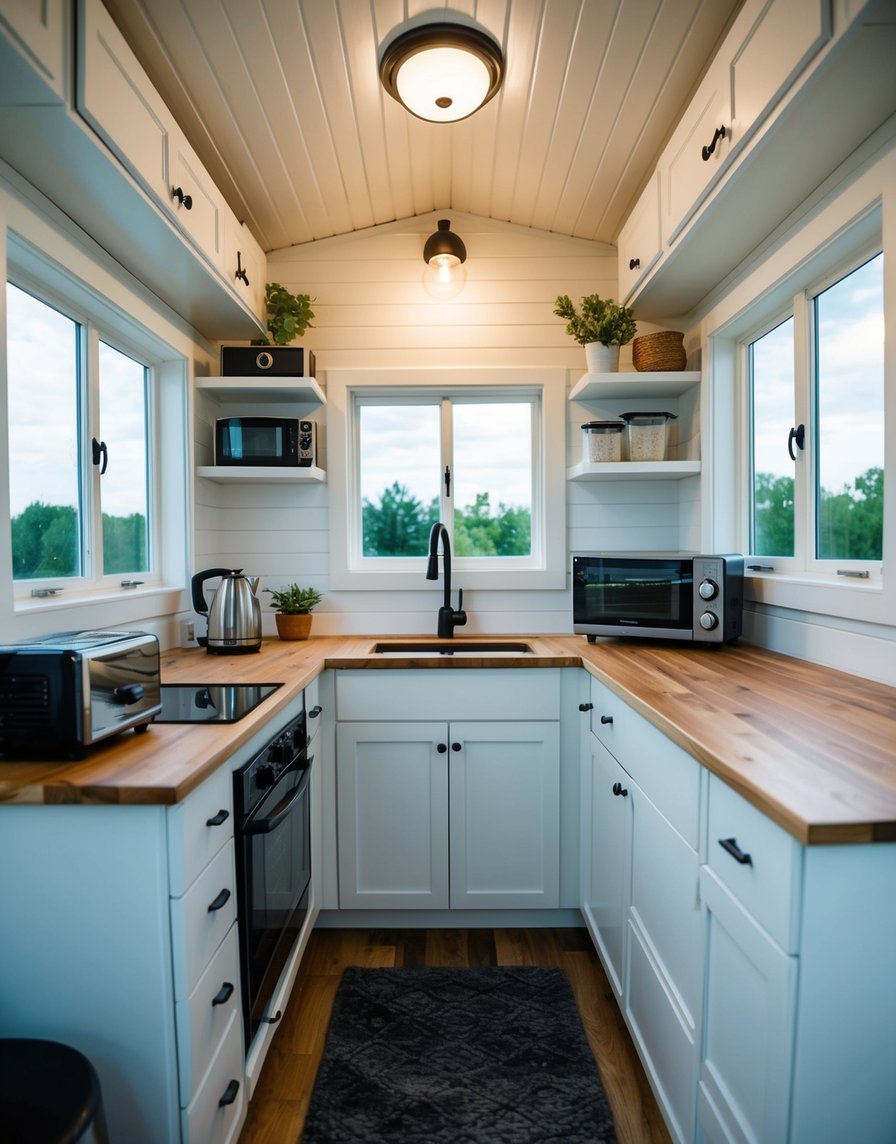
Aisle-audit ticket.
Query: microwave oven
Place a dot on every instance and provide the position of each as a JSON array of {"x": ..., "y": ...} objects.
[
  {"x": 658, "y": 595},
  {"x": 271, "y": 441}
]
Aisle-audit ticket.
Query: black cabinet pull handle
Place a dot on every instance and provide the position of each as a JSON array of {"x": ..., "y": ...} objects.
[
  {"x": 186, "y": 201},
  {"x": 315, "y": 711},
  {"x": 730, "y": 844},
  {"x": 241, "y": 274},
  {"x": 720, "y": 133},
  {"x": 606, "y": 718},
  {"x": 221, "y": 900},
  {"x": 619, "y": 790},
  {"x": 799, "y": 435},
  {"x": 229, "y": 1094},
  {"x": 272, "y": 1020},
  {"x": 217, "y": 819},
  {"x": 441, "y": 748},
  {"x": 586, "y": 706},
  {"x": 456, "y": 747},
  {"x": 634, "y": 264},
  {"x": 224, "y": 994}
]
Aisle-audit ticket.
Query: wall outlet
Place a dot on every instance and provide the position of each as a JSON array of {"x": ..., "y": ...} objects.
[{"x": 187, "y": 633}]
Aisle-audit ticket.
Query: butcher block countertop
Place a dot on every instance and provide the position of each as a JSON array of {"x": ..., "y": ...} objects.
[{"x": 812, "y": 748}]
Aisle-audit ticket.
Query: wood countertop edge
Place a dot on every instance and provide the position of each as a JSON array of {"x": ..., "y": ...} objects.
[{"x": 649, "y": 680}]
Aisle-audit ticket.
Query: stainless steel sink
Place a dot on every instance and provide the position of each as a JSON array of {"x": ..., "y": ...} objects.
[{"x": 460, "y": 647}]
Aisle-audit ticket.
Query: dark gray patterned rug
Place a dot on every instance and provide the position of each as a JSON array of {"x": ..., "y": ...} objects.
[{"x": 457, "y": 1056}]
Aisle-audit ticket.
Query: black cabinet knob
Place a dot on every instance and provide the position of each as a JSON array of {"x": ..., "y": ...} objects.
[
  {"x": 456, "y": 746},
  {"x": 634, "y": 263},
  {"x": 606, "y": 718},
  {"x": 441, "y": 748},
  {"x": 586, "y": 706},
  {"x": 229, "y": 1094},
  {"x": 619, "y": 790}
]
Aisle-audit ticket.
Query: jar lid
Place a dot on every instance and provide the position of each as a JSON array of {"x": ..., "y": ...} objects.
[
  {"x": 604, "y": 426},
  {"x": 649, "y": 418}
]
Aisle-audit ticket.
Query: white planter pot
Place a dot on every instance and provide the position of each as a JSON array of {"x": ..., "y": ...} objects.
[{"x": 600, "y": 358}]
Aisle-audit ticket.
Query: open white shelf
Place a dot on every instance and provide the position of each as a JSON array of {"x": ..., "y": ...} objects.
[
  {"x": 632, "y": 470},
  {"x": 262, "y": 474},
  {"x": 594, "y": 386},
  {"x": 240, "y": 390}
]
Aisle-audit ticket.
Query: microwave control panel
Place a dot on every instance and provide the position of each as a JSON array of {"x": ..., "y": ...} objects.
[{"x": 307, "y": 443}]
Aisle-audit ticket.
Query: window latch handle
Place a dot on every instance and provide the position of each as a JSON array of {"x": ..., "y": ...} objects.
[
  {"x": 100, "y": 455},
  {"x": 447, "y": 481},
  {"x": 799, "y": 435}
]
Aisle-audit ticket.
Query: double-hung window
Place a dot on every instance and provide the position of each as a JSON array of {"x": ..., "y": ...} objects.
[
  {"x": 473, "y": 457},
  {"x": 815, "y": 406},
  {"x": 83, "y": 405}
]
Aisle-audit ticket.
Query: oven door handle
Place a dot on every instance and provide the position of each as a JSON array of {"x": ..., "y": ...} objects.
[{"x": 281, "y": 810}]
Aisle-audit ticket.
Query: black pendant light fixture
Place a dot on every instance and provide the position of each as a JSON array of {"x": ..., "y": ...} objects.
[
  {"x": 442, "y": 72},
  {"x": 444, "y": 254}
]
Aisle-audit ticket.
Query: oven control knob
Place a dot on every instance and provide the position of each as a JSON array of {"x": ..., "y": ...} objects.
[
  {"x": 708, "y": 621},
  {"x": 708, "y": 590},
  {"x": 265, "y": 777}
]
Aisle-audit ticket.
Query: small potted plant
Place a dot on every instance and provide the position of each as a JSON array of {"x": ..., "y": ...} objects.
[
  {"x": 601, "y": 327},
  {"x": 294, "y": 606},
  {"x": 289, "y": 315}
]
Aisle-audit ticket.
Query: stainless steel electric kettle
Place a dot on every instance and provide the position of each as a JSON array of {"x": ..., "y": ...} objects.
[{"x": 234, "y": 621}]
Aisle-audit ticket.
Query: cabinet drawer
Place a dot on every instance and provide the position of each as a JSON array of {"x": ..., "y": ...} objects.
[
  {"x": 768, "y": 885},
  {"x": 198, "y": 924},
  {"x": 668, "y": 775},
  {"x": 197, "y": 829},
  {"x": 208, "y": 1120},
  {"x": 528, "y": 693},
  {"x": 203, "y": 1018}
]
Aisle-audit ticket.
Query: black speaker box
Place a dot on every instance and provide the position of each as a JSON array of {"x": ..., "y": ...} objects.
[{"x": 266, "y": 361}]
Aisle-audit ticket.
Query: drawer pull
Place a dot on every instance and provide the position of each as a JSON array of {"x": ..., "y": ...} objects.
[
  {"x": 586, "y": 706},
  {"x": 457, "y": 747},
  {"x": 634, "y": 264},
  {"x": 229, "y": 1094},
  {"x": 730, "y": 844},
  {"x": 441, "y": 748},
  {"x": 217, "y": 819},
  {"x": 606, "y": 719},
  {"x": 224, "y": 994},
  {"x": 315, "y": 711},
  {"x": 221, "y": 900},
  {"x": 707, "y": 151},
  {"x": 619, "y": 790}
]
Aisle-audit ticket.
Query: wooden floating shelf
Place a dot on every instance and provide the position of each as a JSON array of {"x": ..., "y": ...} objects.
[
  {"x": 262, "y": 474},
  {"x": 633, "y": 470}
]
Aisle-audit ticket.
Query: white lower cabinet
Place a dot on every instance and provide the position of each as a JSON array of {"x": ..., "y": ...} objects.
[
  {"x": 448, "y": 815},
  {"x": 641, "y": 905},
  {"x": 120, "y": 939}
]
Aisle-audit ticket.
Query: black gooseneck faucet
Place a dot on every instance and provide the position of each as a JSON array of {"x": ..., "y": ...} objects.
[{"x": 448, "y": 618}]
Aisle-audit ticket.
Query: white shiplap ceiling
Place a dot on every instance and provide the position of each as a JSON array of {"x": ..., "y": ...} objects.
[{"x": 282, "y": 101}]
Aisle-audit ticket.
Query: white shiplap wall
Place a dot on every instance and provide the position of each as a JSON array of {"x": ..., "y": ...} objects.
[{"x": 372, "y": 311}]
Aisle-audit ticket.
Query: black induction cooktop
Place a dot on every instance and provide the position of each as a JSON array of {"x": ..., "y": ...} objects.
[{"x": 211, "y": 702}]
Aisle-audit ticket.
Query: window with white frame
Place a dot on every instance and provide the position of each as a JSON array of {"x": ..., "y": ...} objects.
[
  {"x": 96, "y": 486},
  {"x": 814, "y": 390},
  {"x": 474, "y": 458}
]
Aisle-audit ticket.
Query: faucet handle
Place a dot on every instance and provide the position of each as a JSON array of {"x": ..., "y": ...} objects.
[{"x": 459, "y": 618}]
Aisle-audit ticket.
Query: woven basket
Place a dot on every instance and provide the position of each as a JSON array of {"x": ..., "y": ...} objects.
[{"x": 662, "y": 352}]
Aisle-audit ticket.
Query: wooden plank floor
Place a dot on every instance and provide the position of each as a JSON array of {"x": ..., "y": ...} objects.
[{"x": 278, "y": 1107}]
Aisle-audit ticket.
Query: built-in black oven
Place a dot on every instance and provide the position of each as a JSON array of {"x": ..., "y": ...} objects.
[{"x": 273, "y": 863}]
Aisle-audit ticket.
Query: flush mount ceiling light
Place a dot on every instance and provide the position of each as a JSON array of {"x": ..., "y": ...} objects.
[{"x": 442, "y": 72}]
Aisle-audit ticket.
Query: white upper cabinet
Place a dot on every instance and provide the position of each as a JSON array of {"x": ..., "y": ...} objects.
[
  {"x": 745, "y": 154},
  {"x": 33, "y": 51},
  {"x": 640, "y": 244}
]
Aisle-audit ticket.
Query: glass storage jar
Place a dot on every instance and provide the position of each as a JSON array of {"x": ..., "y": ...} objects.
[
  {"x": 602, "y": 440},
  {"x": 647, "y": 435}
]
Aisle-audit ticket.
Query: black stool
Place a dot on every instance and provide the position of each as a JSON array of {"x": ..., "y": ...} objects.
[{"x": 49, "y": 1094}]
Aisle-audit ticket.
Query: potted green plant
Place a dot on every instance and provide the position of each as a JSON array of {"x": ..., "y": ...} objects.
[
  {"x": 294, "y": 606},
  {"x": 601, "y": 327},
  {"x": 288, "y": 315}
]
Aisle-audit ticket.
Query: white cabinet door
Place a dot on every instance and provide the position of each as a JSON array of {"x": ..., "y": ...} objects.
[
  {"x": 392, "y": 815},
  {"x": 34, "y": 44},
  {"x": 640, "y": 243},
  {"x": 685, "y": 175},
  {"x": 504, "y": 782},
  {"x": 245, "y": 264},
  {"x": 607, "y": 873},
  {"x": 748, "y": 1025},
  {"x": 197, "y": 203}
]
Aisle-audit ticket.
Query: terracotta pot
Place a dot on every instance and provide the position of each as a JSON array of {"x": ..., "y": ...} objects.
[{"x": 294, "y": 627}]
